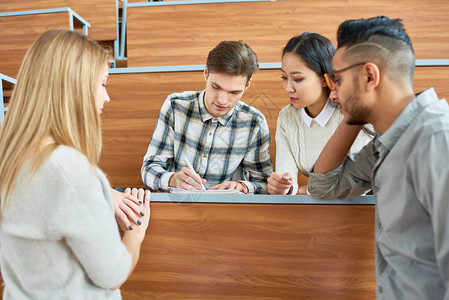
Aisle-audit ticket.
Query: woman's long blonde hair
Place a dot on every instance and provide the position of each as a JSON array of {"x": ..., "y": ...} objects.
[{"x": 54, "y": 96}]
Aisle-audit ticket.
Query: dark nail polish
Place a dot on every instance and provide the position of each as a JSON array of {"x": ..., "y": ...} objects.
[
  {"x": 142, "y": 214},
  {"x": 140, "y": 202},
  {"x": 130, "y": 228},
  {"x": 139, "y": 223}
]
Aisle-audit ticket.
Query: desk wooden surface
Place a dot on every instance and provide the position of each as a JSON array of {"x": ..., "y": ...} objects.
[{"x": 256, "y": 251}]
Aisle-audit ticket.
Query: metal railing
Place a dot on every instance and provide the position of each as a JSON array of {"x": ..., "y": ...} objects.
[
  {"x": 73, "y": 16},
  {"x": 262, "y": 66},
  {"x": 119, "y": 44},
  {"x": 3, "y": 109}
]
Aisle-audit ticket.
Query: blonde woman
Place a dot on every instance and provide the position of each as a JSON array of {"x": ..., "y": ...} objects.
[{"x": 58, "y": 235}]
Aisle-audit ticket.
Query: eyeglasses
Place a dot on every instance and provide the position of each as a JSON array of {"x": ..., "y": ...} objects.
[{"x": 330, "y": 78}]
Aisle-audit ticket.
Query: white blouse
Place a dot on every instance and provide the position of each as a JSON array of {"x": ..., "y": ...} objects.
[{"x": 300, "y": 138}]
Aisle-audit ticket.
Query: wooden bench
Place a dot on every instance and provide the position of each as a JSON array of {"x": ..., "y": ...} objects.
[
  {"x": 101, "y": 14},
  {"x": 184, "y": 34},
  {"x": 17, "y": 33},
  {"x": 129, "y": 119}
]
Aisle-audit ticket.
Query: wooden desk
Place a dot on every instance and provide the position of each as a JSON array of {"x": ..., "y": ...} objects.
[
  {"x": 255, "y": 251},
  {"x": 198, "y": 250},
  {"x": 101, "y": 14},
  {"x": 16, "y": 41}
]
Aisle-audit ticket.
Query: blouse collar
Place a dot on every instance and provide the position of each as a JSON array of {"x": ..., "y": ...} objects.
[{"x": 323, "y": 117}]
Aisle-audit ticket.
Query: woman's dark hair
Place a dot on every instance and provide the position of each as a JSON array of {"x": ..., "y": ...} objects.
[{"x": 316, "y": 51}]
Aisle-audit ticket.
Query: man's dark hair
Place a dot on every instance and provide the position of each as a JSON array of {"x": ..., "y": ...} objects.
[
  {"x": 233, "y": 58},
  {"x": 382, "y": 40},
  {"x": 353, "y": 32},
  {"x": 314, "y": 49}
]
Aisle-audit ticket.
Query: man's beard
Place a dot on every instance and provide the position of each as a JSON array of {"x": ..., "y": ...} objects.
[{"x": 357, "y": 114}]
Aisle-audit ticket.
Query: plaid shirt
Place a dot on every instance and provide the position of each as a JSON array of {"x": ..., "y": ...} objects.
[{"x": 233, "y": 146}]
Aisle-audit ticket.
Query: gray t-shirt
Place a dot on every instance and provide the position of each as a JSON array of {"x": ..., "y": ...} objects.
[{"x": 58, "y": 235}]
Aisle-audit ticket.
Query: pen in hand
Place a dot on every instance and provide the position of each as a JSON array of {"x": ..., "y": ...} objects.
[{"x": 189, "y": 165}]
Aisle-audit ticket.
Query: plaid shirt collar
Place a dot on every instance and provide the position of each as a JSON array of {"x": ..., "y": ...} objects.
[{"x": 205, "y": 115}]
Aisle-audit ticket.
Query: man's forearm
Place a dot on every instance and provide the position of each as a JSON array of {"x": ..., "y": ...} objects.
[
  {"x": 155, "y": 177},
  {"x": 337, "y": 148}
]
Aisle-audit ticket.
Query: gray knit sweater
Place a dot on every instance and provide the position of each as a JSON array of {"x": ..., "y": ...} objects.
[{"x": 58, "y": 235}]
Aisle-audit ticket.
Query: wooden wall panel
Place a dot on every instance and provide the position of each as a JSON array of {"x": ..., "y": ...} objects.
[
  {"x": 130, "y": 117},
  {"x": 437, "y": 77},
  {"x": 17, "y": 40},
  {"x": 101, "y": 14},
  {"x": 248, "y": 251},
  {"x": 184, "y": 34}
]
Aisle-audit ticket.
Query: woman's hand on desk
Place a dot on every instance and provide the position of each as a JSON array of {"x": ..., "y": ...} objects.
[
  {"x": 143, "y": 196},
  {"x": 128, "y": 207},
  {"x": 133, "y": 238},
  {"x": 280, "y": 184},
  {"x": 302, "y": 190}
]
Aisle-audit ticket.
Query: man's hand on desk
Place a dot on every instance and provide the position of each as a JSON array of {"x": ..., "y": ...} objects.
[
  {"x": 186, "y": 179},
  {"x": 231, "y": 185},
  {"x": 128, "y": 207}
]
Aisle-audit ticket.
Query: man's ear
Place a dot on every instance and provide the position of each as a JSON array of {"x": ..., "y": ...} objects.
[
  {"x": 248, "y": 84},
  {"x": 372, "y": 76},
  {"x": 206, "y": 73}
]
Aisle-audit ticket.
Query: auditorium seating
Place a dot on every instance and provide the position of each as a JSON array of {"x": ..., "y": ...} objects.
[
  {"x": 183, "y": 34},
  {"x": 101, "y": 14},
  {"x": 18, "y": 40},
  {"x": 205, "y": 251},
  {"x": 156, "y": 39}
]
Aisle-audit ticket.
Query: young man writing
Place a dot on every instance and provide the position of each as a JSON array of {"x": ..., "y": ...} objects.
[{"x": 224, "y": 140}]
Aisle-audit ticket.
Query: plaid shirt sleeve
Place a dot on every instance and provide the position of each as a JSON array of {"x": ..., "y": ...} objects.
[
  {"x": 160, "y": 153},
  {"x": 257, "y": 161}
]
